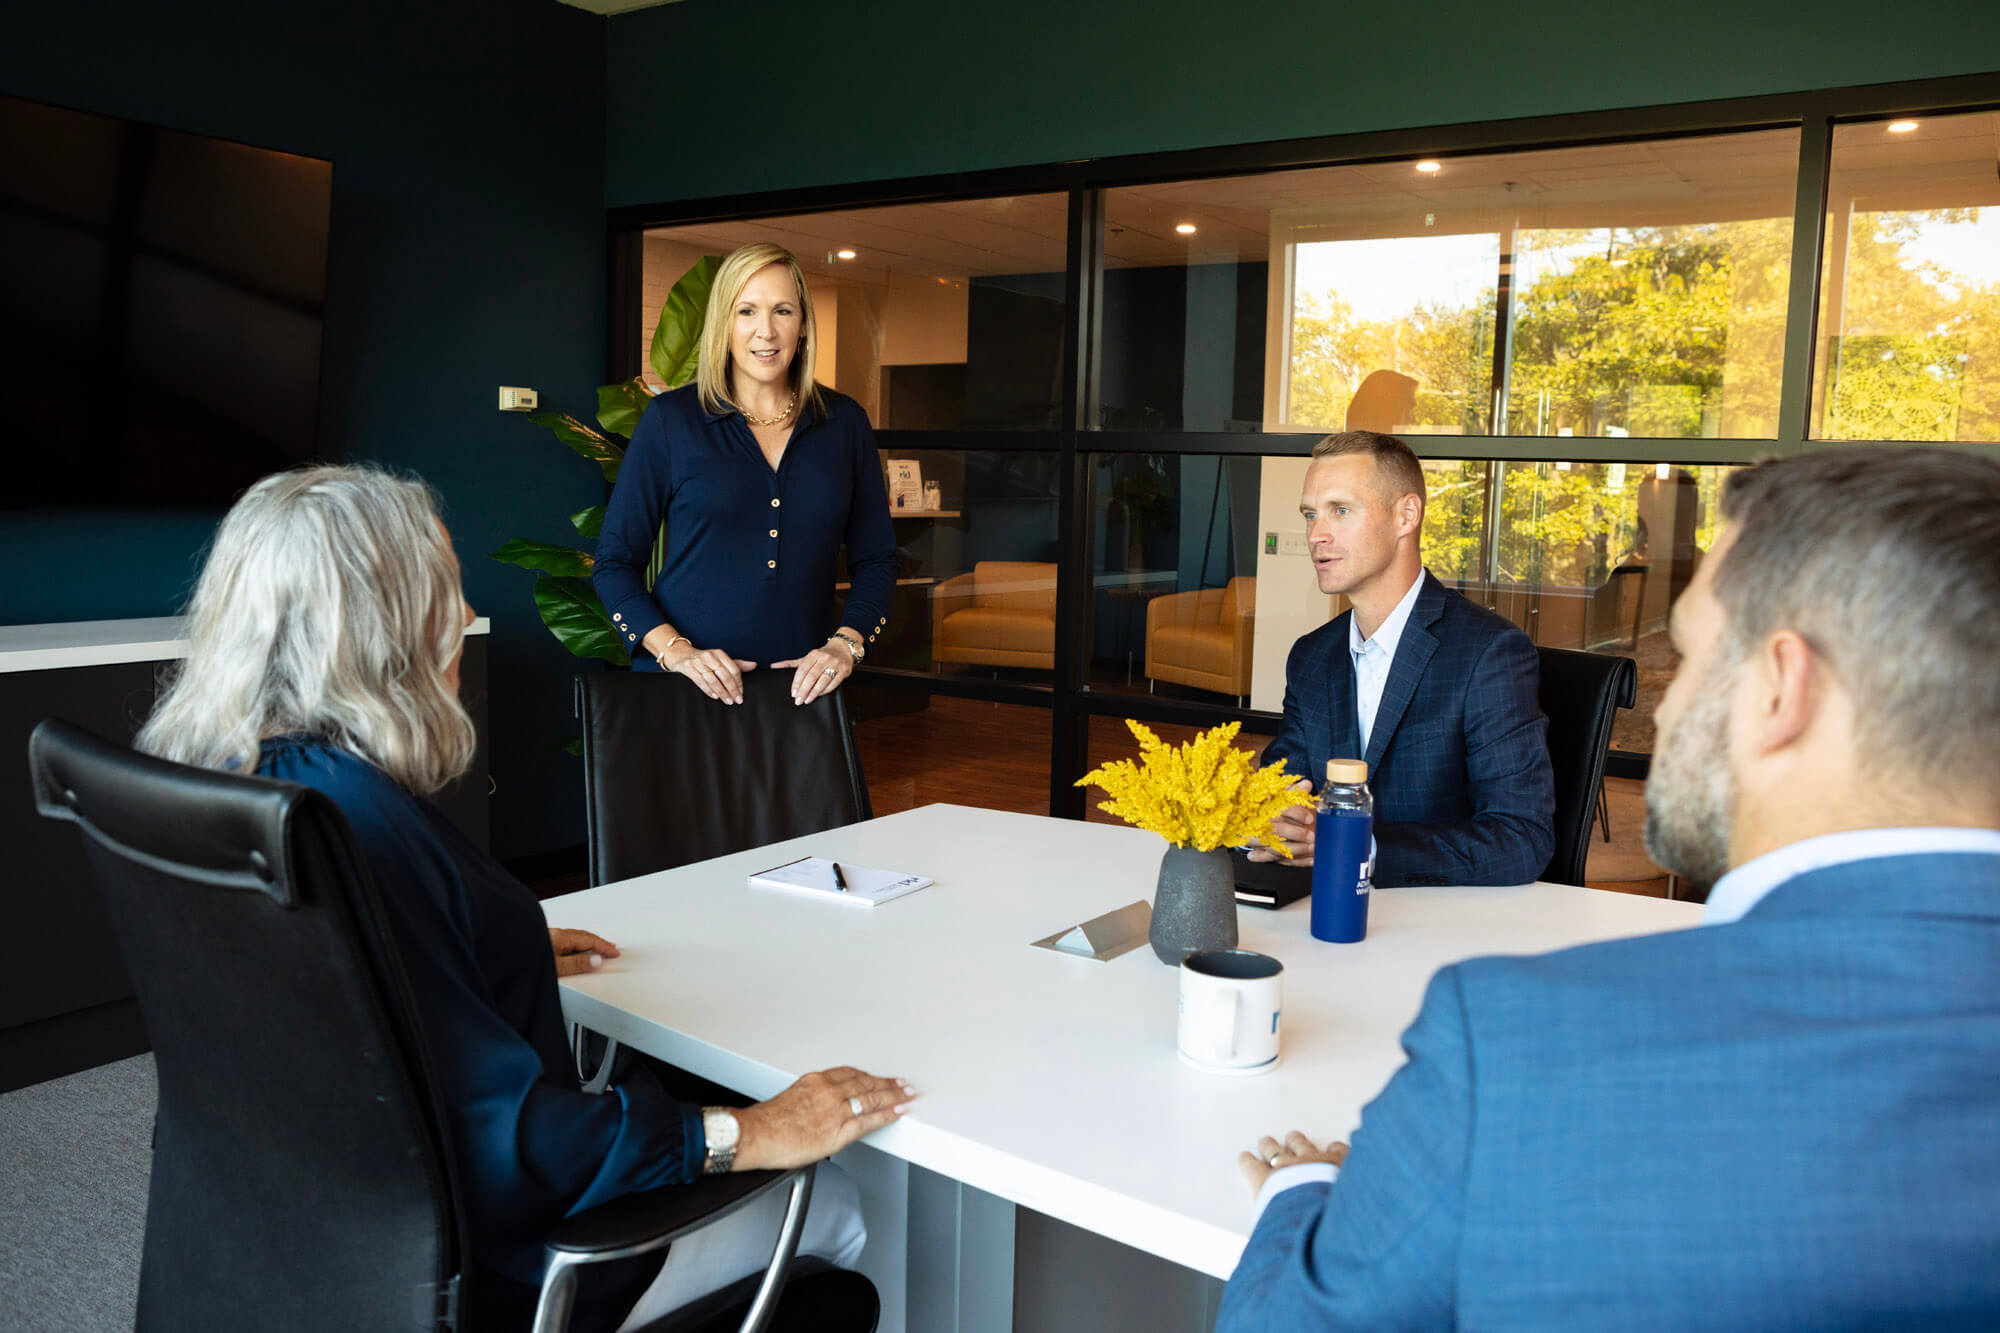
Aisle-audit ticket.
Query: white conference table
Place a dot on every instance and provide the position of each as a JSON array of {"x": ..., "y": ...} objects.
[{"x": 1047, "y": 1080}]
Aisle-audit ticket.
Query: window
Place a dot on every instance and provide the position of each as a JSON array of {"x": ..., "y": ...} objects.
[
  {"x": 1616, "y": 290},
  {"x": 1909, "y": 323},
  {"x": 931, "y": 316}
]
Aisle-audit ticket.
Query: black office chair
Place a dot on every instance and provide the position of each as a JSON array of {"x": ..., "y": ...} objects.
[
  {"x": 671, "y": 777},
  {"x": 303, "y": 1175},
  {"x": 1580, "y": 693}
]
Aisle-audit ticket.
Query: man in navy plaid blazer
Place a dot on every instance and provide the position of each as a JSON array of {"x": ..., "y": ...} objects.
[
  {"x": 1439, "y": 696},
  {"x": 1783, "y": 1118}
]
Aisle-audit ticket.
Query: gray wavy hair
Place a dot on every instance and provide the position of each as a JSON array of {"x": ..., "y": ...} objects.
[{"x": 329, "y": 605}]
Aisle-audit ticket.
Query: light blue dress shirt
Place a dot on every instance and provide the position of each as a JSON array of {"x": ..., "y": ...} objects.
[{"x": 1374, "y": 655}]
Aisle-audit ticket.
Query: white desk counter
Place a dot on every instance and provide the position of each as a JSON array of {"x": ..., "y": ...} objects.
[
  {"x": 105, "y": 642},
  {"x": 1048, "y": 1080}
]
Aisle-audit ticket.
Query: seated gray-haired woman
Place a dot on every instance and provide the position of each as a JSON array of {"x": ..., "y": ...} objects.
[{"x": 324, "y": 641}]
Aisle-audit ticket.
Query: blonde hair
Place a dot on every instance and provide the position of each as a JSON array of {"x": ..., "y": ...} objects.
[
  {"x": 329, "y": 605},
  {"x": 712, "y": 364}
]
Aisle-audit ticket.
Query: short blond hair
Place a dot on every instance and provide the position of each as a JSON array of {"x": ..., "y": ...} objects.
[
  {"x": 712, "y": 364},
  {"x": 1402, "y": 472}
]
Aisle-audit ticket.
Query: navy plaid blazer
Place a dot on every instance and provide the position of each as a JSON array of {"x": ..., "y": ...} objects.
[{"x": 1458, "y": 759}]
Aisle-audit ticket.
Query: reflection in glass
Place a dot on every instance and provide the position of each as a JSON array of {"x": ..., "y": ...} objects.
[
  {"x": 976, "y": 576},
  {"x": 1909, "y": 326},
  {"x": 1611, "y": 290},
  {"x": 1173, "y": 586},
  {"x": 946, "y": 314}
]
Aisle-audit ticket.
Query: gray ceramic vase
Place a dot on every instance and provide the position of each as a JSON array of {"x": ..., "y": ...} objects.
[{"x": 1195, "y": 904}]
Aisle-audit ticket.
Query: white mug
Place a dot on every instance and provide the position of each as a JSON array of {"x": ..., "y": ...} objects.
[{"x": 1231, "y": 1001}]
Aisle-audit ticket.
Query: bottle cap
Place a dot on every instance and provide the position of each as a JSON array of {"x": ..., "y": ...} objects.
[{"x": 1347, "y": 770}]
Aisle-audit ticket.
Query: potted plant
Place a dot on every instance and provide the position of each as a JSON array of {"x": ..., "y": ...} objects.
[
  {"x": 564, "y": 597},
  {"x": 1203, "y": 797}
]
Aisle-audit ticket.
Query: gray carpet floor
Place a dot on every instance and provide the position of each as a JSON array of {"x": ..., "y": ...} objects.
[{"x": 75, "y": 1154}]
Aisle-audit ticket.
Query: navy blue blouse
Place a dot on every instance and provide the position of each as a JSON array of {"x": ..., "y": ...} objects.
[
  {"x": 751, "y": 553},
  {"x": 533, "y": 1145}
]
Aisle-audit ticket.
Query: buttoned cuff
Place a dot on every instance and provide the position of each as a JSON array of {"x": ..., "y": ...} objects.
[
  {"x": 1291, "y": 1177},
  {"x": 634, "y": 620},
  {"x": 868, "y": 633}
]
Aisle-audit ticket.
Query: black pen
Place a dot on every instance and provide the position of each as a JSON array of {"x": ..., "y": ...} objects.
[{"x": 839, "y": 879}]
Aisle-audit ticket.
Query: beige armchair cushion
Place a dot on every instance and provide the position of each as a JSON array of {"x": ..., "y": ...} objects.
[
  {"x": 1202, "y": 638},
  {"x": 1003, "y": 613}
]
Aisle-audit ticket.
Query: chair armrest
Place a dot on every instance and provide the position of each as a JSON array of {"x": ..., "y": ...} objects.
[{"x": 662, "y": 1215}]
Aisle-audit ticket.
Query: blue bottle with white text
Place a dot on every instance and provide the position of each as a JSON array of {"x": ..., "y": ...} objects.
[{"x": 1343, "y": 866}]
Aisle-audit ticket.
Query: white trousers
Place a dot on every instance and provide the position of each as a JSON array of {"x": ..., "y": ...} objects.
[{"x": 741, "y": 1244}]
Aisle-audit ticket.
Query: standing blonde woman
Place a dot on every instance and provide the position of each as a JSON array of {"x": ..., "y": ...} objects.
[
  {"x": 324, "y": 640},
  {"x": 759, "y": 476}
]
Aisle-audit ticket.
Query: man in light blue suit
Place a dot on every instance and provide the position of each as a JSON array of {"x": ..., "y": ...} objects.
[
  {"x": 1439, "y": 696},
  {"x": 1790, "y": 1116}
]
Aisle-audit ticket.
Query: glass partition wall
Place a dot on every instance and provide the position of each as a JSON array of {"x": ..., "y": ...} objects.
[{"x": 1096, "y": 387}]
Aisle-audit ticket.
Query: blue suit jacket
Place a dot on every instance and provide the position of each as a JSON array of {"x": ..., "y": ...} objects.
[
  {"x": 1791, "y": 1121},
  {"x": 1458, "y": 758}
]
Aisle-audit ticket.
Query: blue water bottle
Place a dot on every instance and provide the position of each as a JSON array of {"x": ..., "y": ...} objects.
[{"x": 1343, "y": 864}]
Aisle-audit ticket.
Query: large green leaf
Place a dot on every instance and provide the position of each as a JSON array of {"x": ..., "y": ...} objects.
[
  {"x": 588, "y": 522},
  {"x": 574, "y": 615},
  {"x": 619, "y": 405},
  {"x": 677, "y": 340},
  {"x": 566, "y": 561},
  {"x": 585, "y": 441}
]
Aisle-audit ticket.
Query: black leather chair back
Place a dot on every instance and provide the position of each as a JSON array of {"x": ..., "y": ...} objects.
[
  {"x": 1580, "y": 692},
  {"x": 300, "y": 1172},
  {"x": 671, "y": 777}
]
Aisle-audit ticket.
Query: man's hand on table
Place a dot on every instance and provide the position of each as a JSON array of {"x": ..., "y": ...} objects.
[
  {"x": 1271, "y": 1155},
  {"x": 579, "y": 951},
  {"x": 816, "y": 1117},
  {"x": 1293, "y": 827}
]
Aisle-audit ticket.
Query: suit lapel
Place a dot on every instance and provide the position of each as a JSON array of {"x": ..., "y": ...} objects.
[
  {"x": 1413, "y": 654},
  {"x": 1343, "y": 722}
]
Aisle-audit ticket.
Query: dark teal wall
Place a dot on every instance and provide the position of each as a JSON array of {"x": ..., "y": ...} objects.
[
  {"x": 712, "y": 97},
  {"x": 467, "y": 252}
]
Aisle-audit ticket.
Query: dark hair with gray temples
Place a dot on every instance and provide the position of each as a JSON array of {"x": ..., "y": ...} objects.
[
  {"x": 1887, "y": 561},
  {"x": 1402, "y": 473}
]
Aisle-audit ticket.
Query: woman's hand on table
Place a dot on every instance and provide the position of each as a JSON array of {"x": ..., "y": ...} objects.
[
  {"x": 816, "y": 1117},
  {"x": 714, "y": 672},
  {"x": 1271, "y": 1154},
  {"x": 820, "y": 671},
  {"x": 579, "y": 951},
  {"x": 1294, "y": 827}
]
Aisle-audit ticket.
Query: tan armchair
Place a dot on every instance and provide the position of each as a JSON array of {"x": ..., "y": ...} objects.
[
  {"x": 1001, "y": 614},
  {"x": 1203, "y": 638}
]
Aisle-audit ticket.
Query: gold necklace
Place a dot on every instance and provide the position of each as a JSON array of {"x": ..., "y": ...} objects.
[{"x": 773, "y": 421}]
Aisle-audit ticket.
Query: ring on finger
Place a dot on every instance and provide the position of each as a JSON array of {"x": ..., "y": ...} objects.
[
  {"x": 855, "y": 1106},
  {"x": 1272, "y": 1160}
]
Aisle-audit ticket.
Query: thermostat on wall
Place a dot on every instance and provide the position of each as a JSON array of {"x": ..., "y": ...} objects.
[{"x": 518, "y": 400}]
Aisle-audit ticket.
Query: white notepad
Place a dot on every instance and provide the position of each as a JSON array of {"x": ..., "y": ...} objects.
[{"x": 866, "y": 887}]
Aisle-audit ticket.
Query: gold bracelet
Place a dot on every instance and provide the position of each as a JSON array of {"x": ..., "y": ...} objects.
[{"x": 661, "y": 656}]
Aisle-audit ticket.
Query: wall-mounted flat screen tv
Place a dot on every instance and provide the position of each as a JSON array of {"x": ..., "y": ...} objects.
[{"x": 161, "y": 300}]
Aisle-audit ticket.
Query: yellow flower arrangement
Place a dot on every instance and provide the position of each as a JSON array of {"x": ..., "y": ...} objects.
[{"x": 1203, "y": 794}]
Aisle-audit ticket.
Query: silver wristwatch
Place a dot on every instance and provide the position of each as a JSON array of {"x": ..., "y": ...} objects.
[
  {"x": 854, "y": 646},
  {"x": 721, "y": 1129}
]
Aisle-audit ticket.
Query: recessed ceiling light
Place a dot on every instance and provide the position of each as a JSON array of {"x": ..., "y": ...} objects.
[
  {"x": 1901, "y": 126},
  {"x": 1427, "y": 166},
  {"x": 1184, "y": 228},
  {"x": 845, "y": 254}
]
